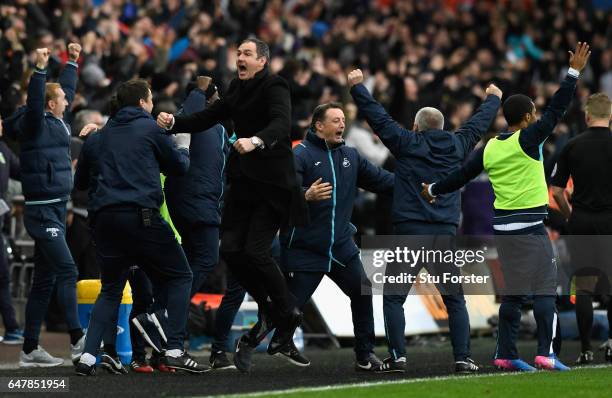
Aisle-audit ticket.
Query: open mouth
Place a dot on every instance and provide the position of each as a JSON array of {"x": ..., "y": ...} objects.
[
  {"x": 242, "y": 68},
  {"x": 339, "y": 134}
]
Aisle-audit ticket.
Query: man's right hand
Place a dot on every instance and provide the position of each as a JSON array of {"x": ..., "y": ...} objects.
[
  {"x": 355, "y": 77},
  {"x": 494, "y": 90},
  {"x": 203, "y": 82},
  {"x": 87, "y": 129},
  {"x": 165, "y": 120},
  {"x": 579, "y": 59},
  {"x": 42, "y": 57},
  {"x": 319, "y": 191}
]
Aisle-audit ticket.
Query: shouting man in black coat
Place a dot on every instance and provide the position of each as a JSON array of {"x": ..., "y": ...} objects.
[{"x": 263, "y": 193}]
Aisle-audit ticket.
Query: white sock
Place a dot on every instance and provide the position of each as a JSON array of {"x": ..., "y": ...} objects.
[
  {"x": 88, "y": 359},
  {"x": 174, "y": 353}
]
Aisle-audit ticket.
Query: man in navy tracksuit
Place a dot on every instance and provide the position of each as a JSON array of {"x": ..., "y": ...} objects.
[
  {"x": 86, "y": 179},
  {"x": 424, "y": 154},
  {"x": 331, "y": 174},
  {"x": 128, "y": 227},
  {"x": 46, "y": 176},
  {"x": 194, "y": 200}
]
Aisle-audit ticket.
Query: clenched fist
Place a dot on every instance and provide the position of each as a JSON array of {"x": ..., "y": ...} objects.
[
  {"x": 355, "y": 77},
  {"x": 494, "y": 90},
  {"x": 74, "y": 49},
  {"x": 165, "y": 120},
  {"x": 42, "y": 57}
]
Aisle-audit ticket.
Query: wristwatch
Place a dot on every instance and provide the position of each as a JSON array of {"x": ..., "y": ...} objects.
[{"x": 257, "y": 142}]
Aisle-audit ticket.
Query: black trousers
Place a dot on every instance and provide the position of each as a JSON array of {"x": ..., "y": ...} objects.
[{"x": 251, "y": 219}]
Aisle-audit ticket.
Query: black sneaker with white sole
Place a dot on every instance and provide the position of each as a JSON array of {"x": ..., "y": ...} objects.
[
  {"x": 82, "y": 369},
  {"x": 371, "y": 363},
  {"x": 112, "y": 365},
  {"x": 466, "y": 366},
  {"x": 585, "y": 358},
  {"x": 219, "y": 360},
  {"x": 607, "y": 347},
  {"x": 282, "y": 337},
  {"x": 243, "y": 354},
  {"x": 184, "y": 362},
  {"x": 391, "y": 365},
  {"x": 293, "y": 355}
]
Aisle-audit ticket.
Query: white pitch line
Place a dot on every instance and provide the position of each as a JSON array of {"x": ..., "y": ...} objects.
[{"x": 383, "y": 382}]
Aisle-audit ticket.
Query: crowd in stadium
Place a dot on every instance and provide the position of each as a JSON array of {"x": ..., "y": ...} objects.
[{"x": 414, "y": 55}]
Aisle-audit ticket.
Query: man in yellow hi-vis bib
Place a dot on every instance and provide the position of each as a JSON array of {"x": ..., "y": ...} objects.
[{"x": 514, "y": 163}]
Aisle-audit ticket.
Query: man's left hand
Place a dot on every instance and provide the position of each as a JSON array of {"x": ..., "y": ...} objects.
[{"x": 244, "y": 145}]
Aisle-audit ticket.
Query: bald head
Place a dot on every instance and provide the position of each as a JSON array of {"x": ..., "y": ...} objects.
[{"x": 428, "y": 118}]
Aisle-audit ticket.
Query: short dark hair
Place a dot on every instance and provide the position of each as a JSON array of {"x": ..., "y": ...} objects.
[
  {"x": 515, "y": 108},
  {"x": 318, "y": 115},
  {"x": 261, "y": 47},
  {"x": 131, "y": 92}
]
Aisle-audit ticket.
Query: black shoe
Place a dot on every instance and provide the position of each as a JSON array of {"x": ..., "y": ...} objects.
[
  {"x": 391, "y": 365},
  {"x": 585, "y": 358},
  {"x": 608, "y": 352},
  {"x": 112, "y": 365},
  {"x": 243, "y": 354},
  {"x": 147, "y": 327},
  {"x": 261, "y": 329},
  {"x": 184, "y": 362},
  {"x": 284, "y": 336},
  {"x": 466, "y": 366},
  {"x": 293, "y": 355},
  {"x": 371, "y": 363},
  {"x": 219, "y": 360},
  {"x": 82, "y": 369}
]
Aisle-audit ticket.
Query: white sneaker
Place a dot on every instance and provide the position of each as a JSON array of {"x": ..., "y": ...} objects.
[
  {"x": 39, "y": 358},
  {"x": 77, "y": 350}
]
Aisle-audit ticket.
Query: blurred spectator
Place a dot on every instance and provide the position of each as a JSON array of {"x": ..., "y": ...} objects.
[{"x": 415, "y": 53}]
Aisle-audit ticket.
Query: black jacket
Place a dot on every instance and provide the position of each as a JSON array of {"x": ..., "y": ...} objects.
[
  {"x": 260, "y": 106},
  {"x": 132, "y": 151}
]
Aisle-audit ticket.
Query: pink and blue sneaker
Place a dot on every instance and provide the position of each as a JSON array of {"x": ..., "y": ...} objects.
[
  {"x": 513, "y": 365},
  {"x": 550, "y": 363}
]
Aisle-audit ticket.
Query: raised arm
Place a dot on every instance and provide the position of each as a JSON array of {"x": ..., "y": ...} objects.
[
  {"x": 473, "y": 130},
  {"x": 68, "y": 78},
  {"x": 388, "y": 130},
  {"x": 538, "y": 132},
  {"x": 35, "y": 104}
]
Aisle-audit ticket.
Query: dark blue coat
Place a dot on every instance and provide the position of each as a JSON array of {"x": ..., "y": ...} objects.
[
  {"x": 133, "y": 150},
  {"x": 46, "y": 170},
  {"x": 427, "y": 156},
  {"x": 197, "y": 195},
  {"x": 87, "y": 170},
  {"x": 329, "y": 236}
]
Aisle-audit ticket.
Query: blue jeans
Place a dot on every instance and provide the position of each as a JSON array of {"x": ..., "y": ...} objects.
[
  {"x": 122, "y": 241},
  {"x": 458, "y": 318},
  {"x": 53, "y": 264}
]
